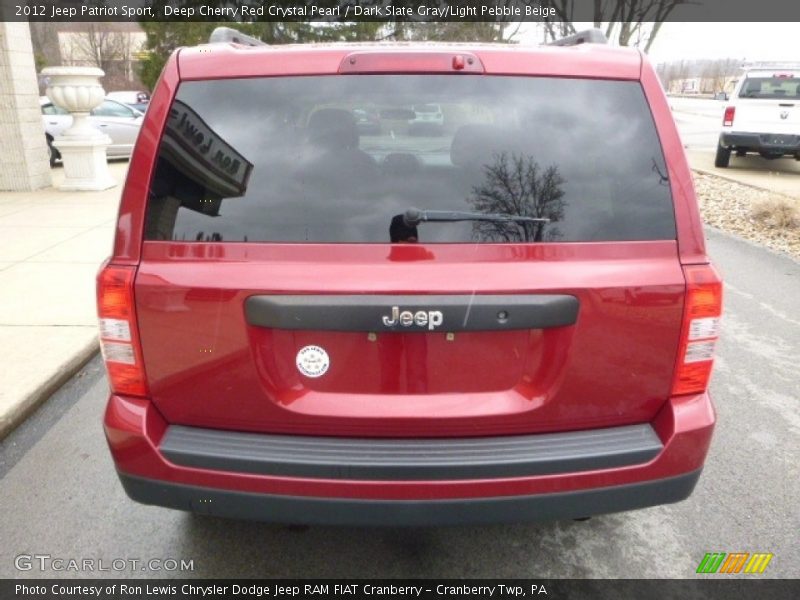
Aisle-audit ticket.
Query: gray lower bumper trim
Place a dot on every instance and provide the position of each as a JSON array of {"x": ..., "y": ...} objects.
[
  {"x": 762, "y": 141},
  {"x": 343, "y": 511},
  {"x": 410, "y": 459}
]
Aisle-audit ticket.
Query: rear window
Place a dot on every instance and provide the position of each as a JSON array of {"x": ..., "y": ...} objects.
[
  {"x": 288, "y": 160},
  {"x": 771, "y": 88}
]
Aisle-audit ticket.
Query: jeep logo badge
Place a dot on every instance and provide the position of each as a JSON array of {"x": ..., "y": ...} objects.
[{"x": 420, "y": 318}]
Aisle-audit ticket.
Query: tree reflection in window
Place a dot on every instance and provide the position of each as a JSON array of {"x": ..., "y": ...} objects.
[{"x": 518, "y": 185}]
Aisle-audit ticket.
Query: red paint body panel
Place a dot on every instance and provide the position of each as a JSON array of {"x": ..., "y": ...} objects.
[
  {"x": 134, "y": 429},
  {"x": 228, "y": 61},
  {"x": 227, "y": 375}
]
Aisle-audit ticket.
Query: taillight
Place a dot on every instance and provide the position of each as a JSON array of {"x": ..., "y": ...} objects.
[
  {"x": 727, "y": 118},
  {"x": 119, "y": 340},
  {"x": 701, "y": 318}
]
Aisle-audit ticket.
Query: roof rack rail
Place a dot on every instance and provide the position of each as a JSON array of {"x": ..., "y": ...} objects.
[
  {"x": 588, "y": 36},
  {"x": 785, "y": 65},
  {"x": 224, "y": 35}
]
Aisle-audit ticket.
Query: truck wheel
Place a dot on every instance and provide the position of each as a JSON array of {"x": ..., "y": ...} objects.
[
  {"x": 53, "y": 154},
  {"x": 723, "y": 156}
]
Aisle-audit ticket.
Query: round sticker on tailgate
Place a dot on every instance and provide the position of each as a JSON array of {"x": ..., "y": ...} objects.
[{"x": 312, "y": 361}]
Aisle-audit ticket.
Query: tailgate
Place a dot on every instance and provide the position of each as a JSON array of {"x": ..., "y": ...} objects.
[
  {"x": 531, "y": 346},
  {"x": 767, "y": 116},
  {"x": 514, "y": 270},
  {"x": 769, "y": 102}
]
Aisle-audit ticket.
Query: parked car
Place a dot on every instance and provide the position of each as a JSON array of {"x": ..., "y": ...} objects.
[
  {"x": 515, "y": 321},
  {"x": 428, "y": 118},
  {"x": 121, "y": 123},
  {"x": 135, "y": 99},
  {"x": 763, "y": 116}
]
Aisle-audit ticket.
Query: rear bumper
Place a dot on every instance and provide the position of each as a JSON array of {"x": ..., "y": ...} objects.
[
  {"x": 347, "y": 511},
  {"x": 764, "y": 142},
  {"x": 544, "y": 477}
]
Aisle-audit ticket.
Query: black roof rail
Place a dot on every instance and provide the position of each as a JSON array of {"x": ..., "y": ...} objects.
[
  {"x": 227, "y": 35},
  {"x": 588, "y": 36}
]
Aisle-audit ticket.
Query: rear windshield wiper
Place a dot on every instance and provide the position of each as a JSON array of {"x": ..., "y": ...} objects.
[{"x": 414, "y": 216}]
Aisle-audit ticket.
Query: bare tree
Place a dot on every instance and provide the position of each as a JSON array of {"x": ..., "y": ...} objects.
[
  {"x": 101, "y": 45},
  {"x": 518, "y": 185},
  {"x": 453, "y": 31},
  {"x": 628, "y": 22},
  {"x": 673, "y": 72},
  {"x": 716, "y": 73}
]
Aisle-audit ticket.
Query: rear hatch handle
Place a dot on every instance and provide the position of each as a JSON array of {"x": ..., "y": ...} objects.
[{"x": 412, "y": 313}]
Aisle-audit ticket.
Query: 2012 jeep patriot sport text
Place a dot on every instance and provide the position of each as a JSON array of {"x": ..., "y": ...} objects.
[{"x": 510, "y": 317}]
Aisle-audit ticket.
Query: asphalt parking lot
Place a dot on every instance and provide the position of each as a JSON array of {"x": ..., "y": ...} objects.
[{"x": 60, "y": 496}]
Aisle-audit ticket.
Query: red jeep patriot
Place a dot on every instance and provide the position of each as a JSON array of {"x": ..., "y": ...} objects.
[{"x": 322, "y": 308}]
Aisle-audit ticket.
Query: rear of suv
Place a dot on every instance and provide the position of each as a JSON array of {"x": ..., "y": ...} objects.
[
  {"x": 763, "y": 115},
  {"x": 512, "y": 319}
]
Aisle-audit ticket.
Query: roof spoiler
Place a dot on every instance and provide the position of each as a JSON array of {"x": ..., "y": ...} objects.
[
  {"x": 588, "y": 36},
  {"x": 228, "y": 35}
]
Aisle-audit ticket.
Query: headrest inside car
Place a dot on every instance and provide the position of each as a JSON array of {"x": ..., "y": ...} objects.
[{"x": 333, "y": 129}]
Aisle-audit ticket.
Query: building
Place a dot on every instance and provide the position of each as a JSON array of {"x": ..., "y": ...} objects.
[{"x": 114, "y": 47}]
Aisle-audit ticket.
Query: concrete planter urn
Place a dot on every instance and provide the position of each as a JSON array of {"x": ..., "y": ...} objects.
[{"x": 82, "y": 147}]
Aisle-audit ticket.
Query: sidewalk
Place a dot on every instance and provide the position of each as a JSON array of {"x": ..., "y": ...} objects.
[
  {"x": 781, "y": 176},
  {"x": 51, "y": 244}
]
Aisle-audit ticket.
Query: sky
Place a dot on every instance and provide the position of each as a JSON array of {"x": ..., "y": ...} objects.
[{"x": 687, "y": 41}]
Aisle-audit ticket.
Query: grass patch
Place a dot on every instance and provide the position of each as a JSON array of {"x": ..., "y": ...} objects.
[{"x": 777, "y": 213}]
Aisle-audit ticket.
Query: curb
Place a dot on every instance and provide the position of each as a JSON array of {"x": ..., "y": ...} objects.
[
  {"x": 711, "y": 173},
  {"x": 23, "y": 409},
  {"x": 677, "y": 111}
]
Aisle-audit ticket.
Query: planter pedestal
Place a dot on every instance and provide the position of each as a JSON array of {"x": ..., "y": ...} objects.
[
  {"x": 85, "y": 164},
  {"x": 82, "y": 147}
]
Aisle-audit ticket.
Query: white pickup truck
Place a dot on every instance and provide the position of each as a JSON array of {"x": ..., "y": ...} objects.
[{"x": 763, "y": 116}]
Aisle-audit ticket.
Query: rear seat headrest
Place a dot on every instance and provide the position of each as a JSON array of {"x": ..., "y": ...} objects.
[
  {"x": 401, "y": 163},
  {"x": 333, "y": 128}
]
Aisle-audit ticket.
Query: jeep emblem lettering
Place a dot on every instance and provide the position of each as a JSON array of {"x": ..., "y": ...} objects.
[{"x": 420, "y": 318}]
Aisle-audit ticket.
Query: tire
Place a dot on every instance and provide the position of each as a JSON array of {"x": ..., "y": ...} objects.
[
  {"x": 54, "y": 155},
  {"x": 723, "y": 157}
]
